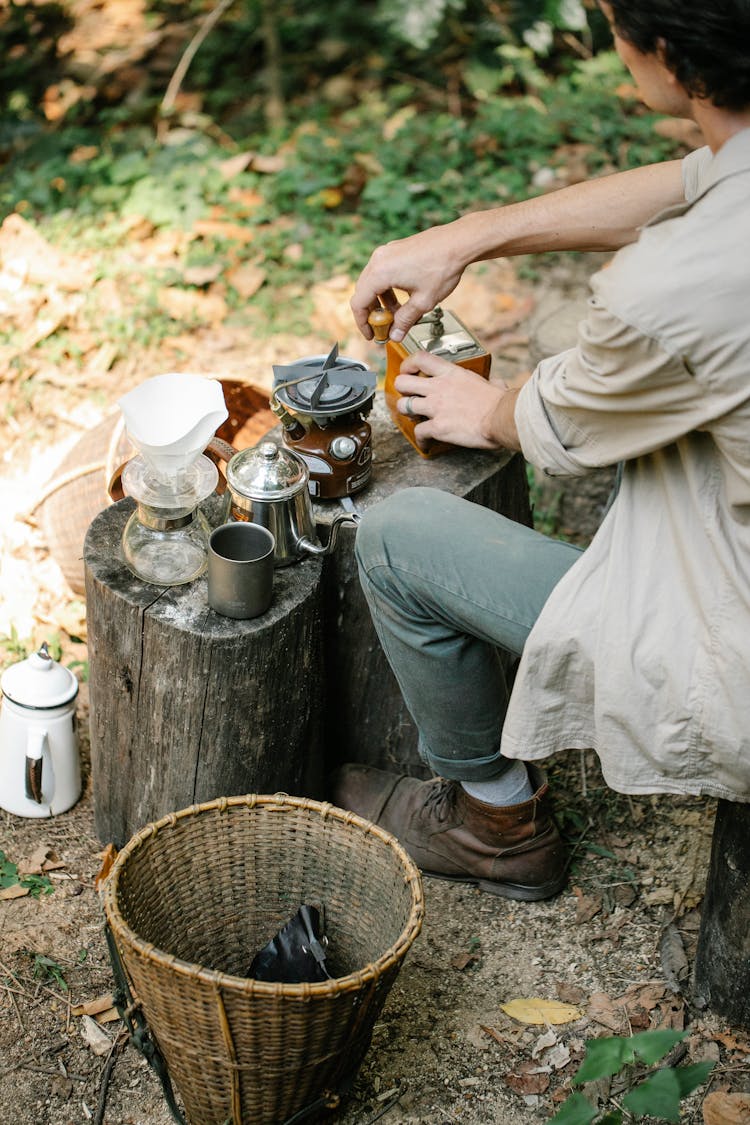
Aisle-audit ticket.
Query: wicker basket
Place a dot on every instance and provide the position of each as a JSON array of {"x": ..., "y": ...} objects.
[{"x": 189, "y": 901}]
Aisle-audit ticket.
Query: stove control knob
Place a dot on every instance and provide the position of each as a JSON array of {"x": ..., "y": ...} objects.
[{"x": 343, "y": 448}]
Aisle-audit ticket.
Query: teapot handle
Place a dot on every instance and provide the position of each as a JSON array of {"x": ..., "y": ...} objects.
[{"x": 35, "y": 746}]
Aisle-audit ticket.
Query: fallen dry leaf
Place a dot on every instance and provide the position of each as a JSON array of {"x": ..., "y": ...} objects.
[
  {"x": 731, "y": 1042},
  {"x": 94, "y": 1007},
  {"x": 16, "y": 891},
  {"x": 248, "y": 199},
  {"x": 462, "y": 960},
  {"x": 222, "y": 228},
  {"x": 191, "y": 305},
  {"x": 587, "y": 907},
  {"x": 528, "y": 1079},
  {"x": 108, "y": 857},
  {"x": 726, "y": 1109},
  {"x": 202, "y": 275},
  {"x": 235, "y": 164},
  {"x": 27, "y": 254},
  {"x": 267, "y": 165},
  {"x": 661, "y": 896},
  {"x": 602, "y": 1009},
  {"x": 42, "y": 859},
  {"x": 548, "y": 1039},
  {"x": 569, "y": 993},
  {"x": 246, "y": 279},
  {"x": 558, "y": 1058},
  {"x": 536, "y": 1010}
]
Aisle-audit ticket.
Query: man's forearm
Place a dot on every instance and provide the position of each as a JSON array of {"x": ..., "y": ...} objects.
[
  {"x": 499, "y": 427},
  {"x": 602, "y": 214}
]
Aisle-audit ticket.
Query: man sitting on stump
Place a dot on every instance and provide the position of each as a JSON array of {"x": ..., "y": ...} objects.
[{"x": 638, "y": 646}]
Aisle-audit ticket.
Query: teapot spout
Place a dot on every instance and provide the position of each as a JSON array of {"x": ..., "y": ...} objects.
[{"x": 310, "y": 548}]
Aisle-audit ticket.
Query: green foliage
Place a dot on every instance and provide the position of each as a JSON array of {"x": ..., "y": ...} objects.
[
  {"x": 28, "y": 47},
  {"x": 35, "y": 884},
  {"x": 658, "y": 1096},
  {"x": 46, "y": 969},
  {"x": 393, "y": 154},
  {"x": 607, "y": 1056},
  {"x": 12, "y": 646}
]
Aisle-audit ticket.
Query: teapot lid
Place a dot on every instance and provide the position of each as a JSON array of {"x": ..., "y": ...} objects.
[
  {"x": 267, "y": 472},
  {"x": 39, "y": 682}
]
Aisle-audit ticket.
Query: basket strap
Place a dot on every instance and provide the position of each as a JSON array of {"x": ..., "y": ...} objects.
[{"x": 140, "y": 1036}]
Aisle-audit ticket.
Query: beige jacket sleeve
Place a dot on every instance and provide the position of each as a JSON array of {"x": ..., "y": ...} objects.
[{"x": 617, "y": 395}]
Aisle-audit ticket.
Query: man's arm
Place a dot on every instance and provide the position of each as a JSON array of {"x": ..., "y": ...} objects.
[{"x": 601, "y": 214}]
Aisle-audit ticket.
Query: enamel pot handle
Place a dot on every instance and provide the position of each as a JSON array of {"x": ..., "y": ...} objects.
[{"x": 35, "y": 745}]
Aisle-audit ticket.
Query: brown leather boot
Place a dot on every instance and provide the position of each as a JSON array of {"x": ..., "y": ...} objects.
[{"x": 515, "y": 851}]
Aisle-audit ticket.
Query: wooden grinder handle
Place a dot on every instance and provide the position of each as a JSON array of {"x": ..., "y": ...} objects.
[{"x": 380, "y": 320}]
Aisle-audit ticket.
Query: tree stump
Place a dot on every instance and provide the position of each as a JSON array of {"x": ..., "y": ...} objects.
[
  {"x": 187, "y": 705},
  {"x": 721, "y": 974},
  {"x": 366, "y": 718}
]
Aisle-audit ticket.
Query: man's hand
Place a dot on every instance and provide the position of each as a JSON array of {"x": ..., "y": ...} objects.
[
  {"x": 427, "y": 266},
  {"x": 456, "y": 405}
]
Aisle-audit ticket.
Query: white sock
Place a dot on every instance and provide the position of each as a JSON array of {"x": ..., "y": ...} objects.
[{"x": 511, "y": 788}]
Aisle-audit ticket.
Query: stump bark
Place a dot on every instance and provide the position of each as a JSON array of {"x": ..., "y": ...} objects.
[
  {"x": 187, "y": 705},
  {"x": 721, "y": 974}
]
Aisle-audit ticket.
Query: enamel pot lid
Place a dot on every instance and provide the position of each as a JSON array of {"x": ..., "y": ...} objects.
[{"x": 39, "y": 682}]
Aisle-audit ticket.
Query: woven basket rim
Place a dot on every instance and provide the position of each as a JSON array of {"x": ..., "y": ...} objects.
[{"x": 352, "y": 981}]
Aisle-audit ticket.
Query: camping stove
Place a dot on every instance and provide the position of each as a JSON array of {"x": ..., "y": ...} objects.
[{"x": 323, "y": 402}]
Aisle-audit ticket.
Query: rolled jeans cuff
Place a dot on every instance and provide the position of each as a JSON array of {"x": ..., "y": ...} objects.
[{"x": 465, "y": 769}]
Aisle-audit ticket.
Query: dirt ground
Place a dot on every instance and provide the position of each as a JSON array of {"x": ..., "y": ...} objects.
[{"x": 618, "y": 943}]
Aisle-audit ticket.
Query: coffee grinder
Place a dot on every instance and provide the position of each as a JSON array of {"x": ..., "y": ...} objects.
[
  {"x": 440, "y": 332},
  {"x": 322, "y": 403}
]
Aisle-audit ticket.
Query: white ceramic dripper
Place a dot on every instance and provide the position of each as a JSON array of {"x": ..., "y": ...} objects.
[{"x": 170, "y": 419}]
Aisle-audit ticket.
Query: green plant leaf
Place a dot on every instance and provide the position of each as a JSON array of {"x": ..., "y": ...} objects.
[
  {"x": 608, "y": 1055},
  {"x": 613, "y": 1118},
  {"x": 691, "y": 1077},
  {"x": 8, "y": 871},
  {"x": 660, "y": 1094},
  {"x": 577, "y": 1110},
  {"x": 604, "y": 1057},
  {"x": 47, "y": 969},
  {"x": 650, "y": 1046}
]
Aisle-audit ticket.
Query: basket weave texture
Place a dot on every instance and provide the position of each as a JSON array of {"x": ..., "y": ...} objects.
[{"x": 190, "y": 900}]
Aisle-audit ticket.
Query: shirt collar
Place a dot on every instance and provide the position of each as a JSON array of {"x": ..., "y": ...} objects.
[{"x": 732, "y": 159}]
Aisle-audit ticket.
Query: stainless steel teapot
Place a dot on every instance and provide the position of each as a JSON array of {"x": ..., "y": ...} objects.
[{"x": 268, "y": 485}]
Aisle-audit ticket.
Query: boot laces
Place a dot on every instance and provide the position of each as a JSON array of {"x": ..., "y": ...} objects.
[{"x": 441, "y": 799}]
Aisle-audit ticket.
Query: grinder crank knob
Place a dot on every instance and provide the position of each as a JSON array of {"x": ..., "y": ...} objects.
[{"x": 380, "y": 320}]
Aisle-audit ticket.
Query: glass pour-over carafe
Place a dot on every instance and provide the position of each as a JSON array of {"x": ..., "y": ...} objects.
[{"x": 170, "y": 419}]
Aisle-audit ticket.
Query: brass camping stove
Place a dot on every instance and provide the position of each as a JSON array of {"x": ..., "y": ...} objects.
[{"x": 323, "y": 403}]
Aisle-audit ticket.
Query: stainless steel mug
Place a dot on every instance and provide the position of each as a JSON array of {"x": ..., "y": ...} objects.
[{"x": 240, "y": 570}]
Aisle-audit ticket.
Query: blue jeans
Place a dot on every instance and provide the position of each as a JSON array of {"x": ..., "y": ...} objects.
[{"x": 448, "y": 584}]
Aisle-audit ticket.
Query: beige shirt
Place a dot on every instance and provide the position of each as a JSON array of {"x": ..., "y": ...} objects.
[{"x": 643, "y": 649}]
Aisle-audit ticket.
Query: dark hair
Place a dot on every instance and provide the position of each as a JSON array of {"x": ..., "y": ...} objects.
[{"x": 706, "y": 43}]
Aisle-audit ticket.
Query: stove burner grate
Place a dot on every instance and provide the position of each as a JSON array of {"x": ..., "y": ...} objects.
[{"x": 324, "y": 387}]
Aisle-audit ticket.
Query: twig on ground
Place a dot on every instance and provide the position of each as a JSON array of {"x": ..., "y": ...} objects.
[{"x": 109, "y": 1066}]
